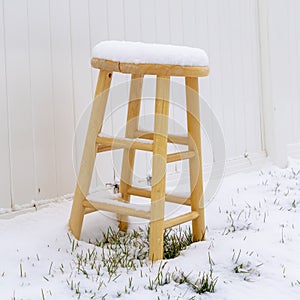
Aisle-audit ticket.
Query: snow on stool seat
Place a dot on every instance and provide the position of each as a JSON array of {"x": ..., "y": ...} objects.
[{"x": 152, "y": 59}]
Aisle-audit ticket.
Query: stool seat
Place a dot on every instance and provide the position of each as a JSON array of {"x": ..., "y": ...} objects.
[{"x": 152, "y": 59}]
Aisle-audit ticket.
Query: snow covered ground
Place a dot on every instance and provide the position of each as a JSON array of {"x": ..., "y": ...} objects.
[{"x": 253, "y": 246}]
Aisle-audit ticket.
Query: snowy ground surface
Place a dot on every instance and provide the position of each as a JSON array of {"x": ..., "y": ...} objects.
[{"x": 253, "y": 241}]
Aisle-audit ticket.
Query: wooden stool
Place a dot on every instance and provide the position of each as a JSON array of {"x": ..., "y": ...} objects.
[{"x": 96, "y": 143}]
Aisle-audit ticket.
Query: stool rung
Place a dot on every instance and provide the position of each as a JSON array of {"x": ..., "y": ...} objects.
[
  {"x": 181, "y": 219},
  {"x": 180, "y": 156},
  {"x": 120, "y": 143},
  {"x": 178, "y": 199},
  {"x": 139, "y": 192},
  {"x": 119, "y": 207},
  {"x": 175, "y": 139},
  {"x": 169, "y": 198},
  {"x": 103, "y": 148}
]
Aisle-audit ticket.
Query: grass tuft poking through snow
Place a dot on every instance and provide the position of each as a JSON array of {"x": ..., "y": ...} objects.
[{"x": 119, "y": 253}]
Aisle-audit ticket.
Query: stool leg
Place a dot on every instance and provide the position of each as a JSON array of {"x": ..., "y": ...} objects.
[
  {"x": 159, "y": 167},
  {"x": 133, "y": 113},
  {"x": 89, "y": 153},
  {"x": 196, "y": 178}
]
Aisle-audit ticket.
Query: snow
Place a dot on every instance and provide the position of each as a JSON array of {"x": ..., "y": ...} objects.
[
  {"x": 137, "y": 52},
  {"x": 30, "y": 206},
  {"x": 103, "y": 195},
  {"x": 145, "y": 141},
  {"x": 253, "y": 239}
]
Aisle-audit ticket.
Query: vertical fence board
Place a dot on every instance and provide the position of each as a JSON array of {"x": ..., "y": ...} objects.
[
  {"x": 115, "y": 117},
  {"x": 216, "y": 93},
  {"x": 250, "y": 62},
  {"x": 41, "y": 93},
  {"x": 98, "y": 28},
  {"x": 176, "y": 23},
  {"x": 81, "y": 70},
  {"x": 162, "y": 25},
  {"x": 189, "y": 22},
  {"x": 134, "y": 32},
  {"x": 81, "y": 53},
  {"x": 294, "y": 48},
  {"x": 115, "y": 19},
  {"x": 62, "y": 94},
  {"x": 19, "y": 101},
  {"x": 237, "y": 76},
  {"x": 201, "y": 41},
  {"x": 177, "y": 91},
  {"x": 279, "y": 40},
  {"x": 147, "y": 11},
  {"x": 5, "y": 184},
  {"x": 148, "y": 34},
  {"x": 226, "y": 74},
  {"x": 99, "y": 32},
  {"x": 132, "y": 19}
]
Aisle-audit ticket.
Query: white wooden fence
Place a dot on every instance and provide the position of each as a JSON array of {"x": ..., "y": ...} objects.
[{"x": 46, "y": 80}]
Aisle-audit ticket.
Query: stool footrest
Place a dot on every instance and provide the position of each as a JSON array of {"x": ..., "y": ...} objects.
[
  {"x": 175, "y": 139},
  {"x": 181, "y": 219},
  {"x": 169, "y": 198},
  {"x": 173, "y": 157},
  {"x": 118, "y": 206},
  {"x": 109, "y": 143}
]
